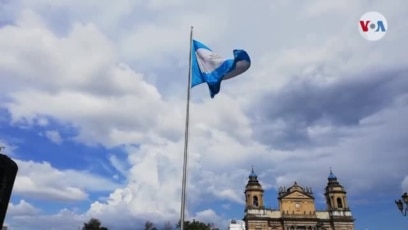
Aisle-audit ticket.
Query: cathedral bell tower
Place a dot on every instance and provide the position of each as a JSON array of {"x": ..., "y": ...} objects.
[
  {"x": 339, "y": 211},
  {"x": 335, "y": 194},
  {"x": 253, "y": 193}
]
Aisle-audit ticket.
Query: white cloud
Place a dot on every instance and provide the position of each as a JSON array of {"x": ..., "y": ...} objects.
[
  {"x": 54, "y": 136},
  {"x": 41, "y": 180},
  {"x": 63, "y": 220},
  {"x": 23, "y": 208},
  {"x": 209, "y": 216},
  {"x": 153, "y": 183},
  {"x": 119, "y": 165},
  {"x": 7, "y": 148}
]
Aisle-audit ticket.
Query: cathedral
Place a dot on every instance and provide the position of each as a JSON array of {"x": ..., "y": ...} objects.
[{"x": 297, "y": 208}]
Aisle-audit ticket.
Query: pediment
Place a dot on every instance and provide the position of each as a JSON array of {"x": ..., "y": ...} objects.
[{"x": 296, "y": 195}]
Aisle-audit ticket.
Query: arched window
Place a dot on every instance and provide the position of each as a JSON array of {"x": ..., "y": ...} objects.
[
  {"x": 339, "y": 203},
  {"x": 255, "y": 201}
]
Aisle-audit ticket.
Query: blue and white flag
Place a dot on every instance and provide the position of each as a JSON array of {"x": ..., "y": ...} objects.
[{"x": 209, "y": 67}]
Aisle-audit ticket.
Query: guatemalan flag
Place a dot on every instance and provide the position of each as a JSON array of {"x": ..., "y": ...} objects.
[{"x": 209, "y": 67}]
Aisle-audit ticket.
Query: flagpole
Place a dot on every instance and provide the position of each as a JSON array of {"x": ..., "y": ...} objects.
[{"x": 184, "y": 181}]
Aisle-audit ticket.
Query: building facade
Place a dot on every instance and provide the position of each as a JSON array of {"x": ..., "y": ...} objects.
[
  {"x": 297, "y": 208},
  {"x": 236, "y": 225}
]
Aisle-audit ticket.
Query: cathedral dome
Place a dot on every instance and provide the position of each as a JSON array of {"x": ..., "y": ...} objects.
[
  {"x": 253, "y": 174},
  {"x": 332, "y": 176}
]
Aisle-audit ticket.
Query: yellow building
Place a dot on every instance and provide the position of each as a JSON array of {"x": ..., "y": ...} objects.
[{"x": 297, "y": 208}]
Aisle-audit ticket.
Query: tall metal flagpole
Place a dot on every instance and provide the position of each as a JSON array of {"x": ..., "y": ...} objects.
[{"x": 184, "y": 182}]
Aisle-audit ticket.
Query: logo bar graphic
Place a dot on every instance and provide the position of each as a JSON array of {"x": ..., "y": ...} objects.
[{"x": 373, "y": 26}]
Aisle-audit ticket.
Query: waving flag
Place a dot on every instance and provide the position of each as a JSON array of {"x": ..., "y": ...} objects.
[
  {"x": 205, "y": 66},
  {"x": 208, "y": 67}
]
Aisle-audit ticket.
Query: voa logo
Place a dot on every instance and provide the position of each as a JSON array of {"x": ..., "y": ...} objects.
[{"x": 373, "y": 26}]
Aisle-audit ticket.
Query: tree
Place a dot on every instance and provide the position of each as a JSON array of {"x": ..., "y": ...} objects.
[
  {"x": 149, "y": 226},
  {"x": 197, "y": 225},
  {"x": 167, "y": 226},
  {"x": 93, "y": 224}
]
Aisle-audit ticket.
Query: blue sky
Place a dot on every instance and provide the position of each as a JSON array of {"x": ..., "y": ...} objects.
[{"x": 93, "y": 101}]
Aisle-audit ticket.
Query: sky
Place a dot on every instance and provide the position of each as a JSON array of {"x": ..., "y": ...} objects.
[{"x": 93, "y": 96}]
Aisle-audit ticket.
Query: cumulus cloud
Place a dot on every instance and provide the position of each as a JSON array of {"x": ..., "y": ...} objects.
[
  {"x": 297, "y": 113},
  {"x": 63, "y": 220},
  {"x": 41, "y": 180},
  {"x": 210, "y": 216},
  {"x": 23, "y": 208}
]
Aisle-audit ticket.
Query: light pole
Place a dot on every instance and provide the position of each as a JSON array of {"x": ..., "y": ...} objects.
[{"x": 400, "y": 204}]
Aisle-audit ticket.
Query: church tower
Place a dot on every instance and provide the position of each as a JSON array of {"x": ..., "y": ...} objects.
[
  {"x": 253, "y": 193},
  {"x": 335, "y": 194},
  {"x": 296, "y": 210},
  {"x": 337, "y": 205}
]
